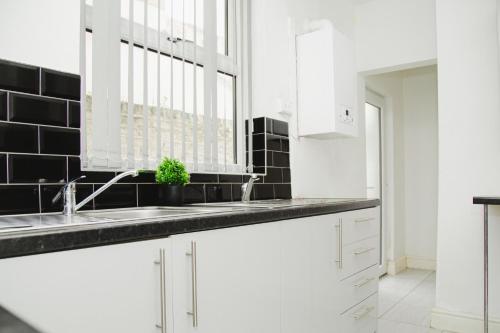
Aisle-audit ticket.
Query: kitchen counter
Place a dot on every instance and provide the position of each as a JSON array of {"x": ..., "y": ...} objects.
[
  {"x": 9, "y": 323},
  {"x": 55, "y": 232}
]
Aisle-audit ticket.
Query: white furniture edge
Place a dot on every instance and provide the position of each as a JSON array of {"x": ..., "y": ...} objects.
[{"x": 461, "y": 323}]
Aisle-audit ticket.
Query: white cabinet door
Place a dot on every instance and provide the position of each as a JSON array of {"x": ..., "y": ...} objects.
[
  {"x": 237, "y": 275},
  {"x": 296, "y": 276},
  {"x": 103, "y": 289},
  {"x": 325, "y": 279}
]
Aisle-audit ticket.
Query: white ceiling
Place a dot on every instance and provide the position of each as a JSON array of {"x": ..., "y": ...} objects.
[{"x": 359, "y": 2}]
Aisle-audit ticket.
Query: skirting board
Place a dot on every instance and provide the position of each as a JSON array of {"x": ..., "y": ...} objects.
[
  {"x": 461, "y": 323},
  {"x": 396, "y": 266},
  {"x": 421, "y": 263}
]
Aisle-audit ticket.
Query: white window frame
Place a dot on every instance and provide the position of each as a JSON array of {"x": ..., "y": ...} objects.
[{"x": 237, "y": 64}]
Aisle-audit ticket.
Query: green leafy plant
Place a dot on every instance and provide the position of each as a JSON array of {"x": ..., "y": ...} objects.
[{"x": 172, "y": 172}]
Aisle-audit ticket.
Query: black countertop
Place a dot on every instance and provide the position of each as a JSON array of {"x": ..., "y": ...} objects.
[
  {"x": 68, "y": 237},
  {"x": 9, "y": 323},
  {"x": 486, "y": 200}
]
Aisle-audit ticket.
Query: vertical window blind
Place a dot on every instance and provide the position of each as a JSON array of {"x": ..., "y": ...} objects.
[{"x": 165, "y": 78}]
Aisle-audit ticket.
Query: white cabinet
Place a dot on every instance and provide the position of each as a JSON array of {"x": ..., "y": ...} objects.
[
  {"x": 104, "y": 289},
  {"x": 326, "y": 83},
  {"x": 237, "y": 280}
]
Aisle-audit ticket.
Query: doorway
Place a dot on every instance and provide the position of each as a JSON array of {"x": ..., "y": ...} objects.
[{"x": 374, "y": 106}]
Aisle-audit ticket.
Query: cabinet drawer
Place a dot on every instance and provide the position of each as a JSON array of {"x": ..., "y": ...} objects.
[
  {"x": 362, "y": 318},
  {"x": 358, "y": 287},
  {"x": 358, "y": 256},
  {"x": 360, "y": 224}
]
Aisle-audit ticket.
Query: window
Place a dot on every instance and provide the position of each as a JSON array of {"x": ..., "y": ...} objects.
[{"x": 141, "y": 106}]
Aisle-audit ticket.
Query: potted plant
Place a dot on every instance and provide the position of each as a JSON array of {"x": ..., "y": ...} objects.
[{"x": 171, "y": 176}]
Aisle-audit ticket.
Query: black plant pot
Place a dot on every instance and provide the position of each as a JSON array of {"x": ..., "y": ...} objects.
[{"x": 171, "y": 195}]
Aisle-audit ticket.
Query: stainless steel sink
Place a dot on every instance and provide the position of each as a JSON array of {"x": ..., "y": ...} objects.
[
  {"x": 275, "y": 203},
  {"x": 147, "y": 212}
]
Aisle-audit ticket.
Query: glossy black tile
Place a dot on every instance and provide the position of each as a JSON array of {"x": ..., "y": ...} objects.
[
  {"x": 263, "y": 191},
  {"x": 117, "y": 196},
  {"x": 37, "y": 110},
  {"x": 3, "y": 168},
  {"x": 148, "y": 195},
  {"x": 236, "y": 192},
  {"x": 143, "y": 177},
  {"x": 280, "y": 127},
  {"x": 259, "y": 125},
  {"x": 194, "y": 193},
  {"x": 18, "y": 138},
  {"x": 274, "y": 175},
  {"x": 259, "y": 158},
  {"x": 269, "y": 125},
  {"x": 218, "y": 193},
  {"x": 259, "y": 170},
  {"x": 36, "y": 169},
  {"x": 19, "y": 199},
  {"x": 281, "y": 159},
  {"x": 18, "y": 77},
  {"x": 59, "y": 141},
  {"x": 273, "y": 142},
  {"x": 270, "y": 160},
  {"x": 48, "y": 192},
  {"x": 3, "y": 105},
  {"x": 204, "y": 178},
  {"x": 283, "y": 191},
  {"x": 258, "y": 142},
  {"x": 74, "y": 114},
  {"x": 286, "y": 175},
  {"x": 230, "y": 178},
  {"x": 285, "y": 145},
  {"x": 59, "y": 84}
]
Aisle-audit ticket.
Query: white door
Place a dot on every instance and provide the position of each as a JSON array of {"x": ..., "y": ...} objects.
[
  {"x": 103, "y": 289},
  {"x": 374, "y": 161},
  {"x": 227, "y": 280}
]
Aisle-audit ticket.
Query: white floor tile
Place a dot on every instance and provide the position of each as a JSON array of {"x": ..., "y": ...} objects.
[{"x": 406, "y": 301}]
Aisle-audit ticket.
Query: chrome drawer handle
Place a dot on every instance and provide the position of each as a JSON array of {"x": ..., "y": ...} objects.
[
  {"x": 338, "y": 229},
  {"x": 364, "y": 282},
  {"x": 364, "y": 220},
  {"x": 163, "y": 298},
  {"x": 363, "y": 312},
  {"x": 194, "y": 284},
  {"x": 363, "y": 251}
]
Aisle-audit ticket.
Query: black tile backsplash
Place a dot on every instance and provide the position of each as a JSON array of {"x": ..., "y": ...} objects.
[
  {"x": 38, "y": 110},
  {"x": 19, "y": 77},
  {"x": 117, "y": 196},
  {"x": 36, "y": 169},
  {"x": 59, "y": 141},
  {"x": 19, "y": 199},
  {"x": 36, "y": 157},
  {"x": 18, "y": 138},
  {"x": 74, "y": 114},
  {"x": 58, "y": 84},
  {"x": 3, "y": 168},
  {"x": 3, "y": 105}
]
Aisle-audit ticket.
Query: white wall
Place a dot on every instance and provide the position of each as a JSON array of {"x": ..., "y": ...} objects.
[
  {"x": 395, "y": 34},
  {"x": 469, "y": 153},
  {"x": 329, "y": 168},
  {"x": 420, "y": 106},
  {"x": 42, "y": 33}
]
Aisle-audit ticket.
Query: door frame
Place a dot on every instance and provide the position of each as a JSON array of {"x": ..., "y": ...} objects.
[{"x": 378, "y": 101}]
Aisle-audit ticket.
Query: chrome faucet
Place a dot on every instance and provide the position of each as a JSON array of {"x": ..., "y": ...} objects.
[
  {"x": 246, "y": 188},
  {"x": 69, "y": 190}
]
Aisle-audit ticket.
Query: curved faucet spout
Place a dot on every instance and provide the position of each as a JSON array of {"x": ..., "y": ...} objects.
[{"x": 133, "y": 173}]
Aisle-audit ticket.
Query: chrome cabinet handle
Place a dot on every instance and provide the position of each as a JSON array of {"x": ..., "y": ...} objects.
[
  {"x": 163, "y": 301},
  {"x": 364, "y": 282},
  {"x": 363, "y": 312},
  {"x": 338, "y": 229},
  {"x": 369, "y": 219},
  {"x": 194, "y": 284},
  {"x": 363, "y": 251}
]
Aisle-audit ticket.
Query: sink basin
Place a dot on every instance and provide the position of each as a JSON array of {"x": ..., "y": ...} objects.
[
  {"x": 276, "y": 203},
  {"x": 149, "y": 212}
]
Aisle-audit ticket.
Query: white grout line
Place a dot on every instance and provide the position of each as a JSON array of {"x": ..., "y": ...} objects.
[{"x": 43, "y": 125}]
